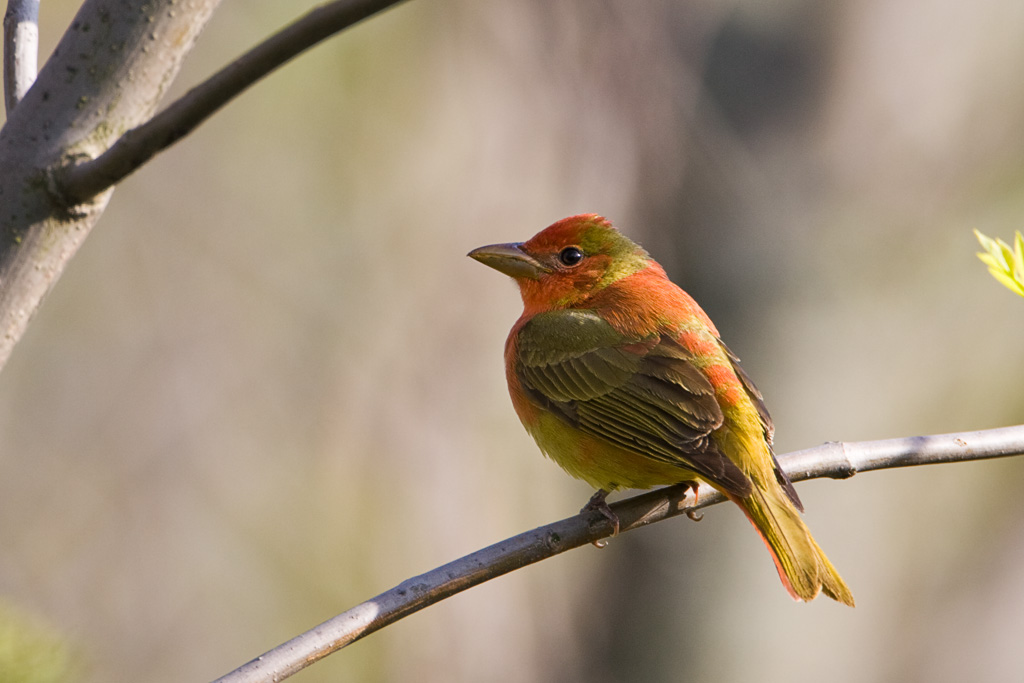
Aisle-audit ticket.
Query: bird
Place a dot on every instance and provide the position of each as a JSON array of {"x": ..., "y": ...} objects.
[{"x": 623, "y": 380}]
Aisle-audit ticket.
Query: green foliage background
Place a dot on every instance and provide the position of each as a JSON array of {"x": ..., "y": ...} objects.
[{"x": 31, "y": 652}]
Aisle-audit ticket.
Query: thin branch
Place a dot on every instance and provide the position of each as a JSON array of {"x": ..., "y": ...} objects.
[
  {"x": 140, "y": 144},
  {"x": 21, "y": 49},
  {"x": 835, "y": 460}
]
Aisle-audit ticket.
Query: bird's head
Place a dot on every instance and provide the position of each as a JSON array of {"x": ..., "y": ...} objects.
[{"x": 567, "y": 262}]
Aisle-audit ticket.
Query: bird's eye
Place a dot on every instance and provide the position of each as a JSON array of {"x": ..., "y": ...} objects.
[{"x": 570, "y": 256}]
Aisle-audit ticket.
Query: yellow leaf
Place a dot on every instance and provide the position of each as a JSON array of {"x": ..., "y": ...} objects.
[
  {"x": 1005, "y": 264},
  {"x": 1018, "y": 257}
]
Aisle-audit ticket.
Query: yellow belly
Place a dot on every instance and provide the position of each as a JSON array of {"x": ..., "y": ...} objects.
[{"x": 601, "y": 464}]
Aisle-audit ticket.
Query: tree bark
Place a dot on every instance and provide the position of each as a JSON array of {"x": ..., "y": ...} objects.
[
  {"x": 21, "y": 49},
  {"x": 106, "y": 76},
  {"x": 87, "y": 122}
]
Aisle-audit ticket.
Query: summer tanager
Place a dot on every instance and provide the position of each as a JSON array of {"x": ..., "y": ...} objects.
[{"x": 622, "y": 379}]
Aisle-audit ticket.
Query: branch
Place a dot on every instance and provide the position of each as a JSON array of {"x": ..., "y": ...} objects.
[
  {"x": 107, "y": 74},
  {"x": 21, "y": 47},
  {"x": 836, "y": 460},
  {"x": 141, "y": 144}
]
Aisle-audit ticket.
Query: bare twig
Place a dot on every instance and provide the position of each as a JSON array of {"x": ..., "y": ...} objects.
[
  {"x": 835, "y": 460},
  {"x": 21, "y": 49},
  {"x": 140, "y": 144}
]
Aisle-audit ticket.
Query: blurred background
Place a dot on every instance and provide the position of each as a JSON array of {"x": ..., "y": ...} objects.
[{"x": 270, "y": 385}]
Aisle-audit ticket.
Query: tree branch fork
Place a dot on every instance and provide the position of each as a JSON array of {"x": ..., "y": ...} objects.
[
  {"x": 836, "y": 460},
  {"x": 85, "y": 178},
  {"x": 86, "y": 121}
]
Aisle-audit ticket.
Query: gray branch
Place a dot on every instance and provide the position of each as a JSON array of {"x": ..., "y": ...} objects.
[
  {"x": 835, "y": 460},
  {"x": 106, "y": 75},
  {"x": 21, "y": 49},
  {"x": 64, "y": 147},
  {"x": 139, "y": 145}
]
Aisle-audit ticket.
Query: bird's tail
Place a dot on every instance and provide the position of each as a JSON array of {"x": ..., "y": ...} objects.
[{"x": 802, "y": 565}]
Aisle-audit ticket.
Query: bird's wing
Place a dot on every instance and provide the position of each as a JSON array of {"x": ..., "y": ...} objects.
[
  {"x": 766, "y": 423},
  {"x": 643, "y": 394}
]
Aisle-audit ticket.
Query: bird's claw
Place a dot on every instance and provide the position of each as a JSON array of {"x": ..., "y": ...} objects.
[
  {"x": 692, "y": 513},
  {"x": 597, "y": 504}
]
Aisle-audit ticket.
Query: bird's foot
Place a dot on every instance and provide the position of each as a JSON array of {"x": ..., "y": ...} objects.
[
  {"x": 691, "y": 513},
  {"x": 597, "y": 504}
]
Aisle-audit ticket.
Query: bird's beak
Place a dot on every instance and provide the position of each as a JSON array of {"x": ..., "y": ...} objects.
[{"x": 510, "y": 259}]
